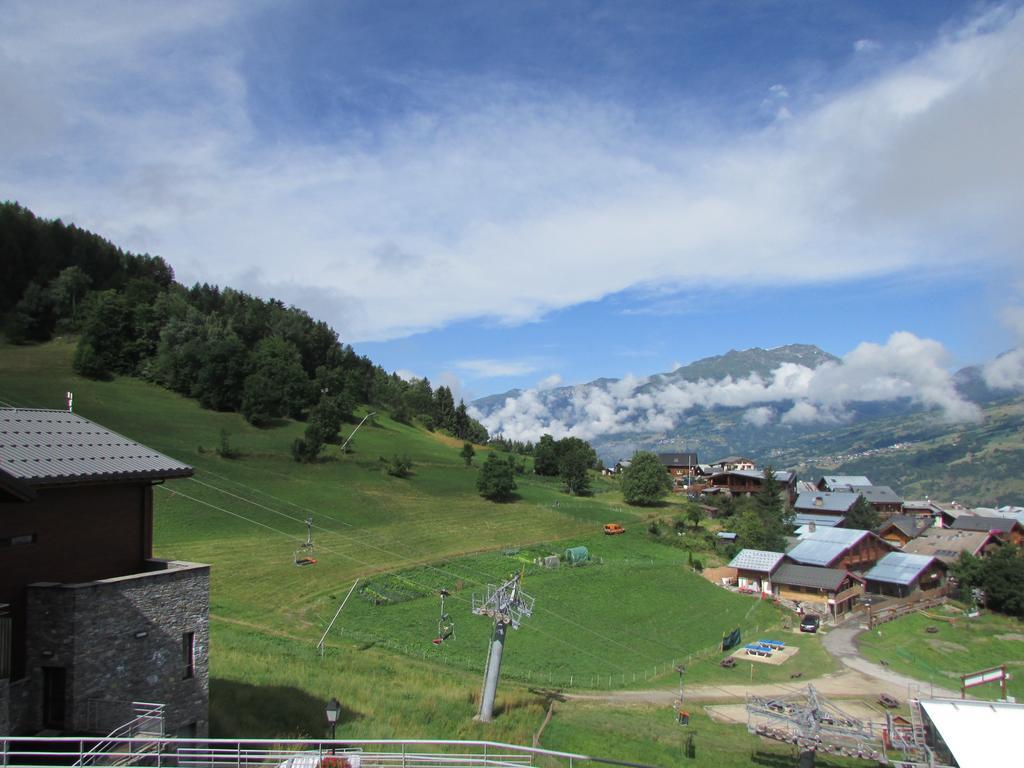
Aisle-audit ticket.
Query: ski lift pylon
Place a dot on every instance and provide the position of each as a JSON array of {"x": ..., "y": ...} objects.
[{"x": 306, "y": 553}]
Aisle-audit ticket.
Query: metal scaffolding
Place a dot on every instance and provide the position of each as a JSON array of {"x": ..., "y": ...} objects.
[{"x": 814, "y": 725}]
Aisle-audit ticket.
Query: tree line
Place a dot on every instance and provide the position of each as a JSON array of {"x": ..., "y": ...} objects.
[{"x": 227, "y": 349}]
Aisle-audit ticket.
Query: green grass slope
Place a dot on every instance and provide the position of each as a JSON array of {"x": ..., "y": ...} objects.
[{"x": 635, "y": 613}]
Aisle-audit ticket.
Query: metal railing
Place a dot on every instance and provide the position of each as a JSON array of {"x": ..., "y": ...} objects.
[
  {"x": 31, "y": 751},
  {"x": 145, "y": 727}
]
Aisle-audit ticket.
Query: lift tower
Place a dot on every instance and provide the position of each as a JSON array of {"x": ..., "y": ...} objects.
[{"x": 508, "y": 605}]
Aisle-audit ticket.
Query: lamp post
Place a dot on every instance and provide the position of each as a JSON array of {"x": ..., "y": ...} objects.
[{"x": 333, "y": 710}]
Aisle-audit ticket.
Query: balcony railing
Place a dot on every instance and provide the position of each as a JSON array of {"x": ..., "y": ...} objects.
[{"x": 29, "y": 752}]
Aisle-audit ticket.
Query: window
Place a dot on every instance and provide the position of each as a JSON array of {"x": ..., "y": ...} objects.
[
  {"x": 188, "y": 654},
  {"x": 17, "y": 541}
]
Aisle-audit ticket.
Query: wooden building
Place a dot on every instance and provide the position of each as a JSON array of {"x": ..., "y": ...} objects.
[
  {"x": 948, "y": 544},
  {"x": 743, "y": 482},
  {"x": 93, "y": 621},
  {"x": 754, "y": 569},
  {"x": 903, "y": 574},
  {"x": 1006, "y": 528},
  {"x": 902, "y": 529},
  {"x": 841, "y": 482},
  {"x": 682, "y": 468},
  {"x": 825, "y": 591},
  {"x": 730, "y": 463},
  {"x": 846, "y": 549},
  {"x": 822, "y": 503}
]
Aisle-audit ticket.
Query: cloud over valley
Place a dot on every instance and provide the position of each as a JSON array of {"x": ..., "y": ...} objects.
[{"x": 904, "y": 368}]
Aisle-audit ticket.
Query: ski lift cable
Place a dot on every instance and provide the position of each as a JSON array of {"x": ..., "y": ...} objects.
[
  {"x": 413, "y": 561},
  {"x": 361, "y": 562},
  {"x": 350, "y": 525},
  {"x": 548, "y": 611}
]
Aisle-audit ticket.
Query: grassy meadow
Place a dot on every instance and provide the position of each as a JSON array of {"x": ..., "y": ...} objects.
[
  {"x": 623, "y": 620},
  {"x": 957, "y": 648}
]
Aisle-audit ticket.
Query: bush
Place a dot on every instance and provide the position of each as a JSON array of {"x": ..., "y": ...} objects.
[{"x": 398, "y": 466}]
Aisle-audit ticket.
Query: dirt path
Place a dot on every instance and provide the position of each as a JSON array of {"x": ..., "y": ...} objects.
[
  {"x": 848, "y": 683},
  {"x": 860, "y": 679},
  {"x": 841, "y": 642}
]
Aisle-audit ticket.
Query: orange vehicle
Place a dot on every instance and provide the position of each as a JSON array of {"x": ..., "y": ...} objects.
[{"x": 613, "y": 528}]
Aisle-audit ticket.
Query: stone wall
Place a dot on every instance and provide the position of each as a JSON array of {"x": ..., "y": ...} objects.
[
  {"x": 5, "y": 706},
  {"x": 121, "y": 640}
]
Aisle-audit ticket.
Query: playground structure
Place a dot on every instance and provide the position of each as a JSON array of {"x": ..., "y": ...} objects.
[
  {"x": 508, "y": 605},
  {"x": 813, "y": 724}
]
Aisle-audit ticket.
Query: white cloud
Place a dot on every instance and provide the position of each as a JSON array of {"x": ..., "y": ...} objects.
[
  {"x": 134, "y": 120},
  {"x": 866, "y": 45},
  {"x": 489, "y": 369},
  {"x": 406, "y": 375},
  {"x": 549, "y": 382},
  {"x": 905, "y": 367},
  {"x": 760, "y": 416},
  {"x": 1007, "y": 370}
]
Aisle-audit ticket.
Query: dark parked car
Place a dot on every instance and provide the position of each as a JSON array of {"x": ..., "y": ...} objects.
[{"x": 809, "y": 623}]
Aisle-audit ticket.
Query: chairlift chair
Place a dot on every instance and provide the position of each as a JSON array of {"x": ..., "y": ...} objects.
[
  {"x": 445, "y": 625},
  {"x": 306, "y": 552}
]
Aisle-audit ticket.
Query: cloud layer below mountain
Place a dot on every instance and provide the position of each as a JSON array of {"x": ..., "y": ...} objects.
[{"x": 905, "y": 367}]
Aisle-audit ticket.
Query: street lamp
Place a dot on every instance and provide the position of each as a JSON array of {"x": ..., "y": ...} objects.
[{"x": 333, "y": 710}]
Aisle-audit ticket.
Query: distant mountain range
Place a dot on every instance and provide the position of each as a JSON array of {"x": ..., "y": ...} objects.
[{"x": 898, "y": 442}]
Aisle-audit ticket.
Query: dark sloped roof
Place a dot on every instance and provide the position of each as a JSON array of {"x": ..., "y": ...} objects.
[
  {"x": 909, "y": 525},
  {"x": 978, "y": 523},
  {"x": 791, "y": 575},
  {"x": 42, "y": 447}
]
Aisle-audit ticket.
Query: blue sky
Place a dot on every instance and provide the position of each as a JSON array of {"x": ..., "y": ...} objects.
[{"x": 495, "y": 195}]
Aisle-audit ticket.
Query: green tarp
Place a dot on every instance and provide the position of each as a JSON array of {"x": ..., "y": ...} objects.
[
  {"x": 576, "y": 554},
  {"x": 731, "y": 640}
]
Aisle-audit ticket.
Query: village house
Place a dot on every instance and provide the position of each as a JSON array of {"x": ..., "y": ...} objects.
[
  {"x": 1006, "y": 527},
  {"x": 947, "y": 544},
  {"x": 842, "y": 548},
  {"x": 901, "y": 529},
  {"x": 91, "y": 620},
  {"x": 921, "y": 508},
  {"x": 842, "y": 482},
  {"x": 745, "y": 482},
  {"x": 730, "y": 463},
  {"x": 806, "y": 522},
  {"x": 883, "y": 498},
  {"x": 825, "y": 504},
  {"x": 681, "y": 467},
  {"x": 754, "y": 569},
  {"x": 902, "y": 574},
  {"x": 826, "y": 591},
  {"x": 950, "y": 513}
]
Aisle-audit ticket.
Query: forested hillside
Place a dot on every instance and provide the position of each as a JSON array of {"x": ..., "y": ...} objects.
[{"x": 227, "y": 349}]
